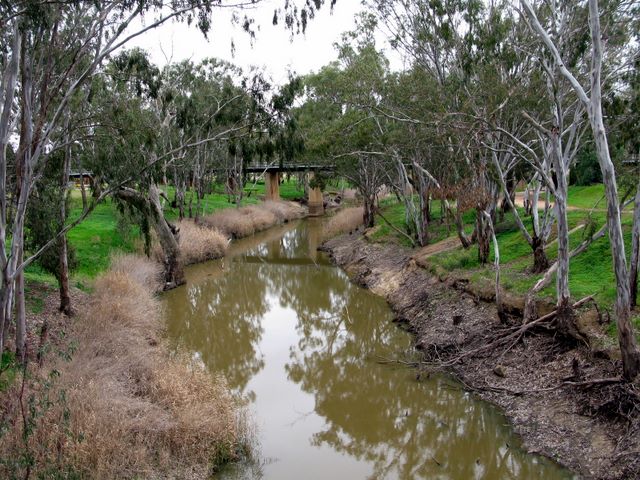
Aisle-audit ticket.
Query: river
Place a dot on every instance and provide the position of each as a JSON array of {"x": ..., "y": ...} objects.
[{"x": 321, "y": 367}]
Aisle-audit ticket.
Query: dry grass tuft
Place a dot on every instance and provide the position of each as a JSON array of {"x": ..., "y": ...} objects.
[
  {"x": 123, "y": 407},
  {"x": 284, "y": 211},
  {"x": 232, "y": 222},
  {"x": 345, "y": 221},
  {"x": 245, "y": 221},
  {"x": 140, "y": 269},
  {"x": 199, "y": 244},
  {"x": 261, "y": 218}
]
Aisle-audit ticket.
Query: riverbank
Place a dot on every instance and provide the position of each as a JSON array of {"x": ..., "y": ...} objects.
[
  {"x": 107, "y": 399},
  {"x": 542, "y": 386}
]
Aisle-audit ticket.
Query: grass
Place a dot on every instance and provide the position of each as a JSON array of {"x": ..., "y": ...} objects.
[
  {"x": 345, "y": 221},
  {"x": 586, "y": 196},
  {"x": 97, "y": 238}
]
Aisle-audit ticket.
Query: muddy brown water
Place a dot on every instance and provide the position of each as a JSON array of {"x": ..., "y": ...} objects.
[{"x": 309, "y": 353}]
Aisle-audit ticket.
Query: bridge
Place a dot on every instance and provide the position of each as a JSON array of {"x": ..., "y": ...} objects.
[{"x": 272, "y": 182}]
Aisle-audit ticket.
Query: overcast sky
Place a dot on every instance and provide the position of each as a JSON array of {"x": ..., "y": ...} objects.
[{"x": 273, "y": 49}]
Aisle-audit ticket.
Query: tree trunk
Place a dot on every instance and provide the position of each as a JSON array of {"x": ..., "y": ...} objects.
[
  {"x": 635, "y": 251},
  {"x": 540, "y": 260},
  {"x": 565, "y": 316},
  {"x": 198, "y": 202},
  {"x": 180, "y": 199},
  {"x": 464, "y": 239},
  {"x": 496, "y": 253},
  {"x": 566, "y": 322},
  {"x": 483, "y": 237},
  {"x": 21, "y": 318},
  {"x": 626, "y": 336},
  {"x": 9, "y": 83},
  {"x": 167, "y": 233},
  {"x": 369, "y": 217},
  {"x": 83, "y": 192},
  {"x": 63, "y": 277},
  {"x": 63, "y": 281}
]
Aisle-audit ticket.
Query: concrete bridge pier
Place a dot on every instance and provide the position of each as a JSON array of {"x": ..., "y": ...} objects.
[
  {"x": 272, "y": 186},
  {"x": 316, "y": 201}
]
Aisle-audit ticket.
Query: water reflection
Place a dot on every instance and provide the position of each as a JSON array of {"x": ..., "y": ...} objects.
[{"x": 293, "y": 334}]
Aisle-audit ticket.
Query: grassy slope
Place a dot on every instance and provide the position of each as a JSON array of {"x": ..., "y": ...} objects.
[{"x": 590, "y": 273}]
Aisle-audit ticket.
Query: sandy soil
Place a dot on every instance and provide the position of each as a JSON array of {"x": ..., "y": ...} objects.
[{"x": 592, "y": 429}]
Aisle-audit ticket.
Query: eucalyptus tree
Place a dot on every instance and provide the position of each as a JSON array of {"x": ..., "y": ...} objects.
[
  {"x": 443, "y": 40},
  {"x": 205, "y": 100},
  {"x": 347, "y": 92},
  {"x": 589, "y": 92}
]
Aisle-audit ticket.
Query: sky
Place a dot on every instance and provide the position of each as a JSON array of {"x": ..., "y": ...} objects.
[{"x": 273, "y": 48}]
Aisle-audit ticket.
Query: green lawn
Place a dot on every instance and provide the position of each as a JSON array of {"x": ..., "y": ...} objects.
[{"x": 587, "y": 196}]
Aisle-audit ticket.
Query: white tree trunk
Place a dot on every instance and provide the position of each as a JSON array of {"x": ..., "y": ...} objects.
[
  {"x": 626, "y": 336},
  {"x": 9, "y": 81},
  {"x": 635, "y": 250}
]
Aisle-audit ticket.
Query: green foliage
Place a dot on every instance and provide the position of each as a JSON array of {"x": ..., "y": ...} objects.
[
  {"x": 587, "y": 170},
  {"x": 44, "y": 220}
]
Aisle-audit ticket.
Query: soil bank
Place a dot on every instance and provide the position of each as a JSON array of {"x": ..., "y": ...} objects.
[{"x": 593, "y": 430}]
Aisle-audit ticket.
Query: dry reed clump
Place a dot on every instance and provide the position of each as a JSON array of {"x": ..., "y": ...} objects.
[
  {"x": 132, "y": 410},
  {"x": 345, "y": 221},
  {"x": 245, "y": 221},
  {"x": 284, "y": 211},
  {"x": 140, "y": 269},
  {"x": 261, "y": 218},
  {"x": 232, "y": 222},
  {"x": 199, "y": 244}
]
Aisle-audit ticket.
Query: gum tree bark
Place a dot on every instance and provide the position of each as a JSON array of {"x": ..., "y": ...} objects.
[
  {"x": 635, "y": 251},
  {"x": 63, "y": 280},
  {"x": 167, "y": 235},
  {"x": 565, "y": 316},
  {"x": 9, "y": 82}
]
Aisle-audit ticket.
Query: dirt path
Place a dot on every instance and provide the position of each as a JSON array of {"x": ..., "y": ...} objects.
[
  {"x": 450, "y": 243},
  {"x": 574, "y": 425},
  {"x": 519, "y": 201}
]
